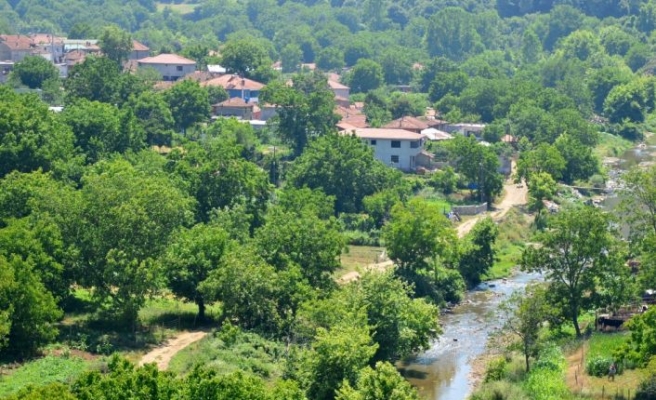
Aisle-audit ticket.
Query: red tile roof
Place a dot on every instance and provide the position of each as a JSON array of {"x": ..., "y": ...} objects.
[
  {"x": 336, "y": 85},
  {"x": 167, "y": 59},
  {"x": 407, "y": 123},
  {"x": 234, "y": 82},
  {"x": 45, "y": 38},
  {"x": 17, "y": 42},
  {"x": 138, "y": 46}
]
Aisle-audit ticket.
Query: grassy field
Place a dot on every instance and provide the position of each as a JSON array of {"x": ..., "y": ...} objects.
[
  {"x": 182, "y": 9},
  {"x": 62, "y": 368},
  {"x": 612, "y": 145},
  {"x": 514, "y": 230},
  {"x": 358, "y": 257},
  {"x": 230, "y": 350}
]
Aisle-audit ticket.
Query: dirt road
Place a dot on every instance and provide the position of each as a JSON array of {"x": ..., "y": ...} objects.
[
  {"x": 514, "y": 196},
  {"x": 162, "y": 355}
]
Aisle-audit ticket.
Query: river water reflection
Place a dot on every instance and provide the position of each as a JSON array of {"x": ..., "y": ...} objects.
[{"x": 443, "y": 371}]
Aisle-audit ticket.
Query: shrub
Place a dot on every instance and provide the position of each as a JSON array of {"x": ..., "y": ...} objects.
[
  {"x": 496, "y": 370},
  {"x": 501, "y": 390},
  {"x": 599, "y": 366},
  {"x": 647, "y": 389}
]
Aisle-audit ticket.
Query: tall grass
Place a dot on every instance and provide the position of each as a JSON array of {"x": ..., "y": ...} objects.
[{"x": 42, "y": 372}]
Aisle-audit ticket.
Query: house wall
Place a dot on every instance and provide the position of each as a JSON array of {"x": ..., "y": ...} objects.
[
  {"x": 341, "y": 93},
  {"x": 5, "y": 52},
  {"x": 240, "y": 112},
  {"x": 171, "y": 72},
  {"x": 245, "y": 94},
  {"x": 138, "y": 55},
  {"x": 267, "y": 113},
  {"x": 407, "y": 155}
]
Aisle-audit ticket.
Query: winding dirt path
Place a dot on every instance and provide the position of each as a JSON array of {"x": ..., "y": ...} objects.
[
  {"x": 515, "y": 195},
  {"x": 162, "y": 355}
]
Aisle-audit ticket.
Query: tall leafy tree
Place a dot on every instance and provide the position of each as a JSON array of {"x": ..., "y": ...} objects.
[
  {"x": 366, "y": 75},
  {"x": 31, "y": 137},
  {"x": 343, "y": 167},
  {"x": 116, "y": 44},
  {"x": 383, "y": 382},
  {"x": 33, "y": 71},
  {"x": 189, "y": 104},
  {"x": 477, "y": 252},
  {"x": 97, "y": 78},
  {"x": 305, "y": 110},
  {"x": 189, "y": 260},
  {"x": 578, "y": 253}
]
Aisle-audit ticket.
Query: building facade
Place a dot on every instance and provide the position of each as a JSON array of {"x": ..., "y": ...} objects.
[
  {"x": 171, "y": 66},
  {"x": 397, "y": 148}
]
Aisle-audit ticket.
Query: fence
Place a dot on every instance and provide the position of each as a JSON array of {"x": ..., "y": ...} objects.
[{"x": 470, "y": 210}]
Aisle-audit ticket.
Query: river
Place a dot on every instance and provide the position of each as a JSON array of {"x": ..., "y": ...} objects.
[{"x": 443, "y": 372}]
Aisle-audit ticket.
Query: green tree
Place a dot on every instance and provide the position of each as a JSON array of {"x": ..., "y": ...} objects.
[
  {"x": 31, "y": 136},
  {"x": 477, "y": 252},
  {"x": 33, "y": 71},
  {"x": 366, "y": 75},
  {"x": 291, "y": 57},
  {"x": 302, "y": 238},
  {"x": 244, "y": 57},
  {"x": 577, "y": 254},
  {"x": 95, "y": 79},
  {"x": 419, "y": 238},
  {"x": 544, "y": 158},
  {"x": 603, "y": 80},
  {"x": 580, "y": 162},
  {"x": 343, "y": 167},
  {"x": 541, "y": 187},
  {"x": 305, "y": 110},
  {"x": 154, "y": 116},
  {"x": 479, "y": 164},
  {"x": 189, "y": 104},
  {"x": 29, "y": 310},
  {"x": 452, "y": 34},
  {"x": 126, "y": 222},
  {"x": 330, "y": 58},
  {"x": 338, "y": 355},
  {"x": 383, "y": 382},
  {"x": 630, "y": 101},
  {"x": 190, "y": 258},
  {"x": 524, "y": 313},
  {"x": 531, "y": 47},
  {"x": 116, "y": 44},
  {"x": 102, "y": 129},
  {"x": 81, "y": 30}
]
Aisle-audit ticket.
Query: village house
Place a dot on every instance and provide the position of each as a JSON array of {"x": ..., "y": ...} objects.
[
  {"x": 408, "y": 123},
  {"x": 49, "y": 46},
  {"x": 15, "y": 47},
  {"x": 139, "y": 51},
  {"x": 236, "y": 86},
  {"x": 235, "y": 107},
  {"x": 397, "y": 148},
  {"x": 171, "y": 66},
  {"x": 341, "y": 91}
]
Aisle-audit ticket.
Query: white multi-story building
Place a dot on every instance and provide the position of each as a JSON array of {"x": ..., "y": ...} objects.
[
  {"x": 171, "y": 66},
  {"x": 397, "y": 148}
]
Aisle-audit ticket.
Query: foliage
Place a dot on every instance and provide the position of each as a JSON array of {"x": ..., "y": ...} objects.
[
  {"x": 116, "y": 44},
  {"x": 305, "y": 109},
  {"x": 191, "y": 258},
  {"x": 31, "y": 136},
  {"x": 647, "y": 389},
  {"x": 382, "y": 382},
  {"x": 477, "y": 252},
  {"x": 365, "y": 76},
  {"x": 578, "y": 254},
  {"x": 189, "y": 104},
  {"x": 33, "y": 71},
  {"x": 343, "y": 167},
  {"x": 47, "y": 370}
]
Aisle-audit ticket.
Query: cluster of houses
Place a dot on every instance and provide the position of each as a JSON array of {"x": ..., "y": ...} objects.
[{"x": 399, "y": 143}]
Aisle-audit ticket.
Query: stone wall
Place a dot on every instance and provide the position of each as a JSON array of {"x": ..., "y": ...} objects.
[{"x": 470, "y": 210}]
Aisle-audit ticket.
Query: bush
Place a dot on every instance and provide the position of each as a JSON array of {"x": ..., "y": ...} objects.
[
  {"x": 501, "y": 390},
  {"x": 599, "y": 366},
  {"x": 496, "y": 370},
  {"x": 647, "y": 389}
]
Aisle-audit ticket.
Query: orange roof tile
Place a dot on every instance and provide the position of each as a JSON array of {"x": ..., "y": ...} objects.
[
  {"x": 234, "y": 102},
  {"x": 138, "y": 46},
  {"x": 382, "y": 133},
  {"x": 17, "y": 42},
  {"x": 234, "y": 82},
  {"x": 336, "y": 85},
  {"x": 407, "y": 123}
]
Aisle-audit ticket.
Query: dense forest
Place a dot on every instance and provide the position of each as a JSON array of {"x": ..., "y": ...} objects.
[{"x": 132, "y": 196}]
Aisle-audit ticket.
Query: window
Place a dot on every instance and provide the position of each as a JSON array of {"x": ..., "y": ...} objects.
[
  {"x": 373, "y": 142},
  {"x": 414, "y": 145},
  {"x": 396, "y": 144},
  {"x": 179, "y": 68},
  {"x": 395, "y": 159}
]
